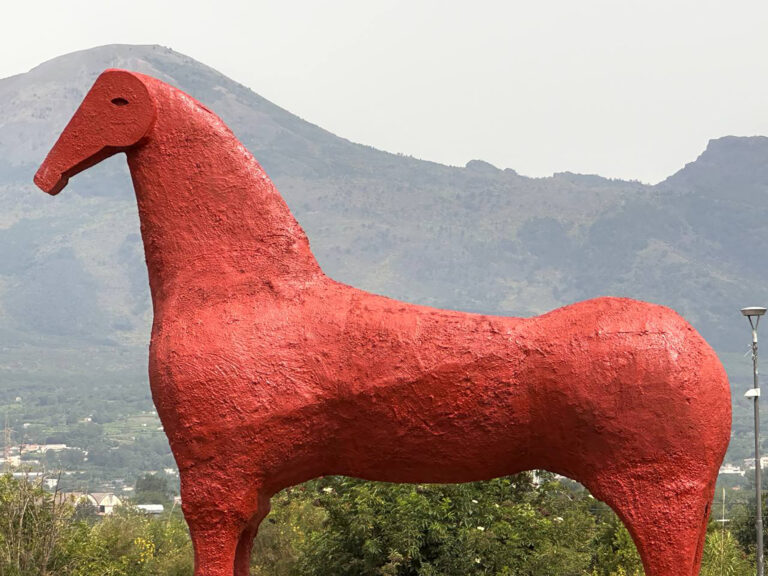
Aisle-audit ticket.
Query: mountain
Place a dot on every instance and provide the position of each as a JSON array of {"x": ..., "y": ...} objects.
[
  {"x": 73, "y": 286},
  {"x": 473, "y": 238}
]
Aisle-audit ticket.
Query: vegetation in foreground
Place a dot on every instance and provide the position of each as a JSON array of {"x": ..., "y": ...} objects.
[{"x": 345, "y": 527}]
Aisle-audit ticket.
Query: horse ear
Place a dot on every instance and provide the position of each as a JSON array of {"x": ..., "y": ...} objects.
[{"x": 129, "y": 108}]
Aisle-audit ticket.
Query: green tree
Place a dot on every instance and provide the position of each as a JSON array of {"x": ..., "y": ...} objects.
[
  {"x": 283, "y": 535},
  {"x": 723, "y": 556},
  {"x": 347, "y": 527},
  {"x": 32, "y": 523},
  {"x": 743, "y": 523},
  {"x": 614, "y": 551},
  {"x": 503, "y": 527},
  {"x": 128, "y": 543},
  {"x": 152, "y": 489}
]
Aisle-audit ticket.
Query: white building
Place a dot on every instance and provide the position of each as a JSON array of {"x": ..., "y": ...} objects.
[
  {"x": 749, "y": 463},
  {"x": 151, "y": 508},
  {"x": 105, "y": 502},
  {"x": 731, "y": 469}
]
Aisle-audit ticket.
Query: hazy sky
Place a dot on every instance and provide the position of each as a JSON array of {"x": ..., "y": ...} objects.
[{"x": 623, "y": 88}]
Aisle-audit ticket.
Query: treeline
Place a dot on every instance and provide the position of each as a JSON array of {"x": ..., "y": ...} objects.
[{"x": 344, "y": 527}]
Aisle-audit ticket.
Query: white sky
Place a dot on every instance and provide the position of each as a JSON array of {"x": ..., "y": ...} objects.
[{"x": 630, "y": 89}]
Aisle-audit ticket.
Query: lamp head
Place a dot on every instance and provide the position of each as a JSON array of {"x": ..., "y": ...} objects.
[{"x": 753, "y": 311}]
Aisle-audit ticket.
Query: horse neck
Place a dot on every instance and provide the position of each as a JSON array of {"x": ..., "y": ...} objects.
[{"x": 210, "y": 216}]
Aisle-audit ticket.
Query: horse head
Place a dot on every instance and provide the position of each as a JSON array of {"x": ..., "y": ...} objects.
[{"x": 117, "y": 113}]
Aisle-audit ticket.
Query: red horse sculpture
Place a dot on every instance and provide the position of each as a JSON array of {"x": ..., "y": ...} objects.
[{"x": 266, "y": 373}]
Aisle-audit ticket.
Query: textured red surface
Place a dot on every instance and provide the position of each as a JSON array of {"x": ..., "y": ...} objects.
[{"x": 266, "y": 373}]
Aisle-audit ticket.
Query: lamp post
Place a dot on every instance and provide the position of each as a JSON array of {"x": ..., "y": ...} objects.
[{"x": 753, "y": 313}]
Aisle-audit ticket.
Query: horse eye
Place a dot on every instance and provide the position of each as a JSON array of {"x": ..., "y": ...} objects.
[{"x": 119, "y": 101}]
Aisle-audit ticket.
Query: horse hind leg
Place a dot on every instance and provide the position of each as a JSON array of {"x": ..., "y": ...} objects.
[
  {"x": 215, "y": 547},
  {"x": 245, "y": 543},
  {"x": 222, "y": 544},
  {"x": 243, "y": 553},
  {"x": 666, "y": 512}
]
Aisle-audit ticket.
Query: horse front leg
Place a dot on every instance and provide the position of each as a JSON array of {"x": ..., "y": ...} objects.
[
  {"x": 245, "y": 544},
  {"x": 223, "y": 515}
]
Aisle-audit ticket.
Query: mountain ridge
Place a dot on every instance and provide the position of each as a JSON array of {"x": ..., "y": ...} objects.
[{"x": 476, "y": 238}]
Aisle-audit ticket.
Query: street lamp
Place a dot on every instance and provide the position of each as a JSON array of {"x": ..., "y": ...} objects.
[{"x": 754, "y": 313}]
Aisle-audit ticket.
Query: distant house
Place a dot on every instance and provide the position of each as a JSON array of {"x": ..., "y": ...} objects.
[
  {"x": 731, "y": 469},
  {"x": 27, "y": 448},
  {"x": 151, "y": 508},
  {"x": 26, "y": 475},
  {"x": 104, "y": 502},
  {"x": 71, "y": 497},
  {"x": 11, "y": 461},
  {"x": 749, "y": 463}
]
